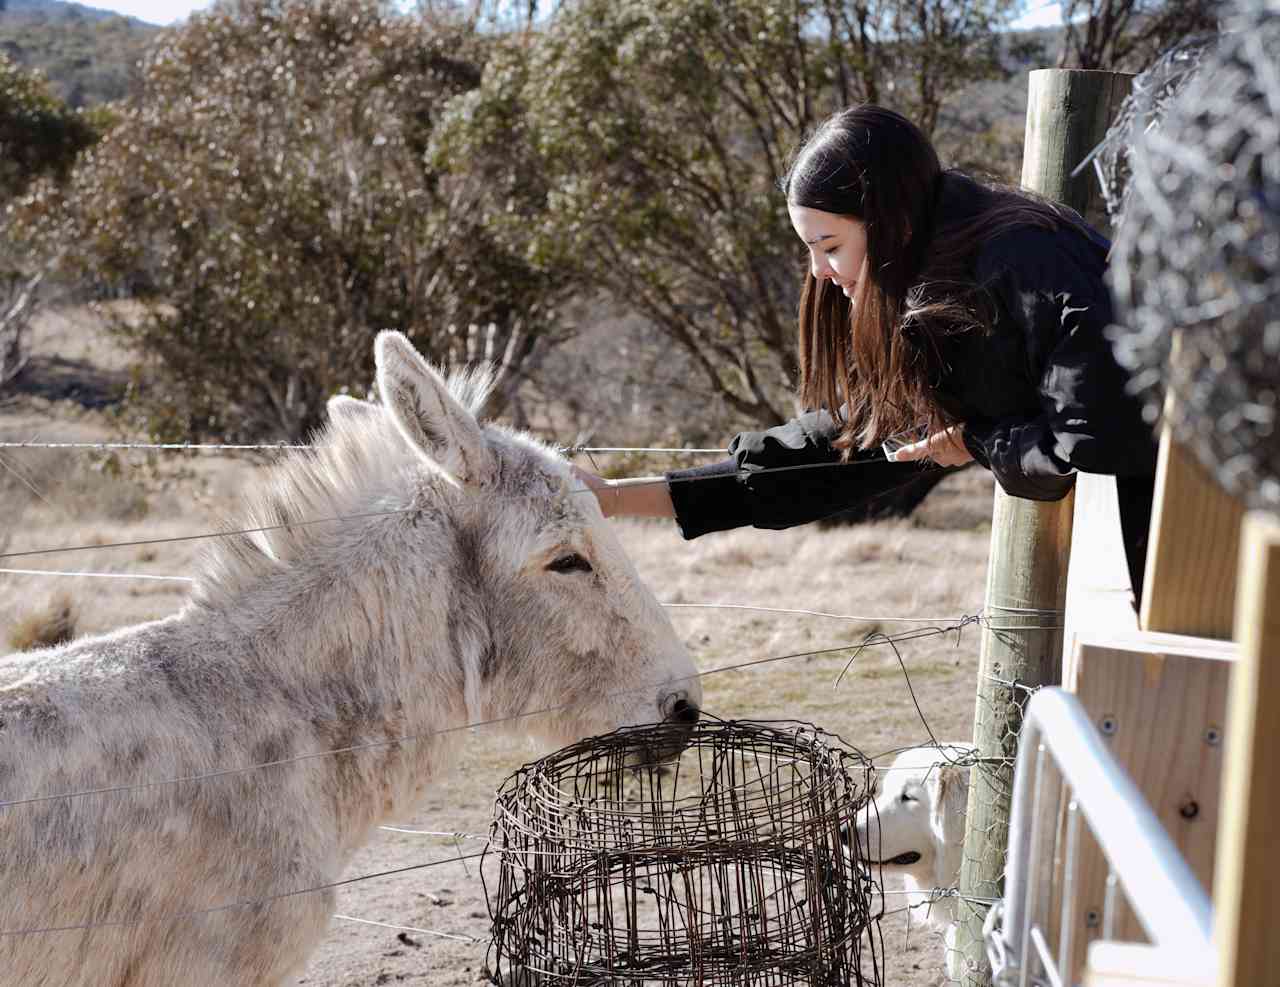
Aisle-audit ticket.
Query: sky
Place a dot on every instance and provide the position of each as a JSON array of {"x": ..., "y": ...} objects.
[
  {"x": 1038, "y": 13},
  {"x": 152, "y": 11}
]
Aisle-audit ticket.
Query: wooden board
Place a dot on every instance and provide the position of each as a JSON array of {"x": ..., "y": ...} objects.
[
  {"x": 1190, "y": 581},
  {"x": 1099, "y": 591},
  {"x": 1161, "y": 703},
  {"x": 1128, "y": 964},
  {"x": 1246, "y": 894}
]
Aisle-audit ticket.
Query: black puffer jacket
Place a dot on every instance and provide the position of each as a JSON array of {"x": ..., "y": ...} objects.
[{"x": 1041, "y": 397}]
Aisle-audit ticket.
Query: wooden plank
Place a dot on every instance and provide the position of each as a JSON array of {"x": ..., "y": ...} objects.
[
  {"x": 1190, "y": 581},
  {"x": 1099, "y": 591},
  {"x": 1246, "y": 893},
  {"x": 1161, "y": 703},
  {"x": 1129, "y": 964}
]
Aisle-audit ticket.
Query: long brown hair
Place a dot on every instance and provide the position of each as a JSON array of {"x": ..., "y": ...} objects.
[{"x": 875, "y": 362}]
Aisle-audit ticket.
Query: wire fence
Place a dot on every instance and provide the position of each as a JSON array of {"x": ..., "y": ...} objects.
[{"x": 926, "y": 902}]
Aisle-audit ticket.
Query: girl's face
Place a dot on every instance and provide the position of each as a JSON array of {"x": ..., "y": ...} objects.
[{"x": 837, "y": 245}]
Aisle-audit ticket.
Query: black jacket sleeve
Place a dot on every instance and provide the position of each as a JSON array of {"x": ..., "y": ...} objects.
[
  {"x": 782, "y": 477},
  {"x": 1050, "y": 287}
]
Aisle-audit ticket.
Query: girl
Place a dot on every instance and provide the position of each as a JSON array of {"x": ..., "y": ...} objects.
[{"x": 970, "y": 317}]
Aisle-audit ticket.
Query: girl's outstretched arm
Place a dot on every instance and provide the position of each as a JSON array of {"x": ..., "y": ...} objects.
[{"x": 640, "y": 496}]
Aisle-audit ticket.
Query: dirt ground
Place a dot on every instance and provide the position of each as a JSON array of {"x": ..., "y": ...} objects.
[{"x": 931, "y": 566}]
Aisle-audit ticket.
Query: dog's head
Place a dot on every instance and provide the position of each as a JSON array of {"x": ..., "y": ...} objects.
[{"x": 917, "y": 821}]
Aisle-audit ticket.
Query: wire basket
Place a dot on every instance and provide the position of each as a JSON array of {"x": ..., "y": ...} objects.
[{"x": 725, "y": 867}]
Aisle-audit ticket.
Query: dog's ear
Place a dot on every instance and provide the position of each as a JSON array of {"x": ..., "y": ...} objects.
[{"x": 950, "y": 795}]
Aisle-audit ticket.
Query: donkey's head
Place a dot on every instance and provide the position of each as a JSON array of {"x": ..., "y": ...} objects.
[{"x": 544, "y": 611}]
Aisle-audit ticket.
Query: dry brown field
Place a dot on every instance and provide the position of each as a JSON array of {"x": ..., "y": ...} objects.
[{"x": 932, "y": 565}]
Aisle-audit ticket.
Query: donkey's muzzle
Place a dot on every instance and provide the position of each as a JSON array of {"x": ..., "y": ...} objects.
[
  {"x": 683, "y": 713},
  {"x": 665, "y": 740}
]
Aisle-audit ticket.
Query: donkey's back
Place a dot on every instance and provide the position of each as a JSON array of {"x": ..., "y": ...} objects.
[{"x": 116, "y": 873}]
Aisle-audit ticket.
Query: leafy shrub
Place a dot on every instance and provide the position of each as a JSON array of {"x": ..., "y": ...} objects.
[
  {"x": 39, "y": 136},
  {"x": 651, "y": 135},
  {"x": 267, "y": 195}
]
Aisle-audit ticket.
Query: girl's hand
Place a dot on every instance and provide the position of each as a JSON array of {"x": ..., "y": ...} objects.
[
  {"x": 641, "y": 496},
  {"x": 598, "y": 485},
  {"x": 946, "y": 448}
]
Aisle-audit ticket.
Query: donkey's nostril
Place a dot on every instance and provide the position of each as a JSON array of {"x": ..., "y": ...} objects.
[{"x": 684, "y": 711}]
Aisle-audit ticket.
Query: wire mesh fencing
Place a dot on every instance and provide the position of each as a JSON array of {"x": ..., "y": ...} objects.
[{"x": 733, "y": 866}]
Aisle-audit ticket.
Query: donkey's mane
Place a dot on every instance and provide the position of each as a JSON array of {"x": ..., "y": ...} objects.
[{"x": 355, "y": 464}]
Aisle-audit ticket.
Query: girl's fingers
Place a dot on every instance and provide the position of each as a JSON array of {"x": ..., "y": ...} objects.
[
  {"x": 916, "y": 450},
  {"x": 946, "y": 448}
]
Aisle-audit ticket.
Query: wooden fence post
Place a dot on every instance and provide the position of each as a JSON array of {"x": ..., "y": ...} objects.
[{"x": 1068, "y": 112}]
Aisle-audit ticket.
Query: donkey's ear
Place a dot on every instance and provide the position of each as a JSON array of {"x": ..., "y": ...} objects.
[
  {"x": 348, "y": 409},
  {"x": 431, "y": 418}
]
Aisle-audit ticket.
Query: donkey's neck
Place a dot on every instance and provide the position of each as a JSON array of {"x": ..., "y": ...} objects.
[{"x": 363, "y": 667}]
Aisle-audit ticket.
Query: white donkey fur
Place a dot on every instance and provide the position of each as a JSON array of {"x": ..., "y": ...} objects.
[
  {"x": 920, "y": 810},
  {"x": 483, "y": 589}
]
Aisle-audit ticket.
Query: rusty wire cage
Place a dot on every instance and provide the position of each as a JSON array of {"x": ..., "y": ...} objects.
[{"x": 726, "y": 866}]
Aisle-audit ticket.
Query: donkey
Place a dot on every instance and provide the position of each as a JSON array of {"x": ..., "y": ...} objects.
[{"x": 466, "y": 582}]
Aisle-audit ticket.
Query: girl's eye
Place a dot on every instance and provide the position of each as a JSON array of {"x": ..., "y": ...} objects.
[
  {"x": 573, "y": 562},
  {"x": 830, "y": 250}
]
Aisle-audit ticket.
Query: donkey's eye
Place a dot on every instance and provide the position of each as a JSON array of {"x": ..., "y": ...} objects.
[
  {"x": 909, "y": 798},
  {"x": 573, "y": 562}
]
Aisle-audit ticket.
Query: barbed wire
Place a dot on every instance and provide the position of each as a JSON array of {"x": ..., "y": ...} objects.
[
  {"x": 412, "y": 510},
  {"x": 156, "y": 446},
  {"x": 229, "y": 906},
  {"x": 94, "y": 575},
  {"x": 457, "y": 936},
  {"x": 284, "y": 446},
  {"x": 751, "y": 608},
  {"x": 414, "y": 738},
  {"x": 933, "y": 894}
]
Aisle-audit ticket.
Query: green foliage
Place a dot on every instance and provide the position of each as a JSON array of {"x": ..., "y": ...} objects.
[
  {"x": 639, "y": 143},
  {"x": 87, "y": 60},
  {"x": 39, "y": 135},
  {"x": 267, "y": 196}
]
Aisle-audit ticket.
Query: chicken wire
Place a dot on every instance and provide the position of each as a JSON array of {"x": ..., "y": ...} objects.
[
  {"x": 729, "y": 867},
  {"x": 1001, "y": 706}
]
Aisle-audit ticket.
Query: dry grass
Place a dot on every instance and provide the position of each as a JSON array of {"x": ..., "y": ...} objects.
[{"x": 50, "y": 623}]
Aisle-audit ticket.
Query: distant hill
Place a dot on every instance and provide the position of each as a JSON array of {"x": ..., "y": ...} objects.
[
  {"x": 58, "y": 8},
  {"x": 87, "y": 54}
]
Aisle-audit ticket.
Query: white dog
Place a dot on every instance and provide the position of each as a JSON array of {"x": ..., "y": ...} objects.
[{"x": 916, "y": 830}]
